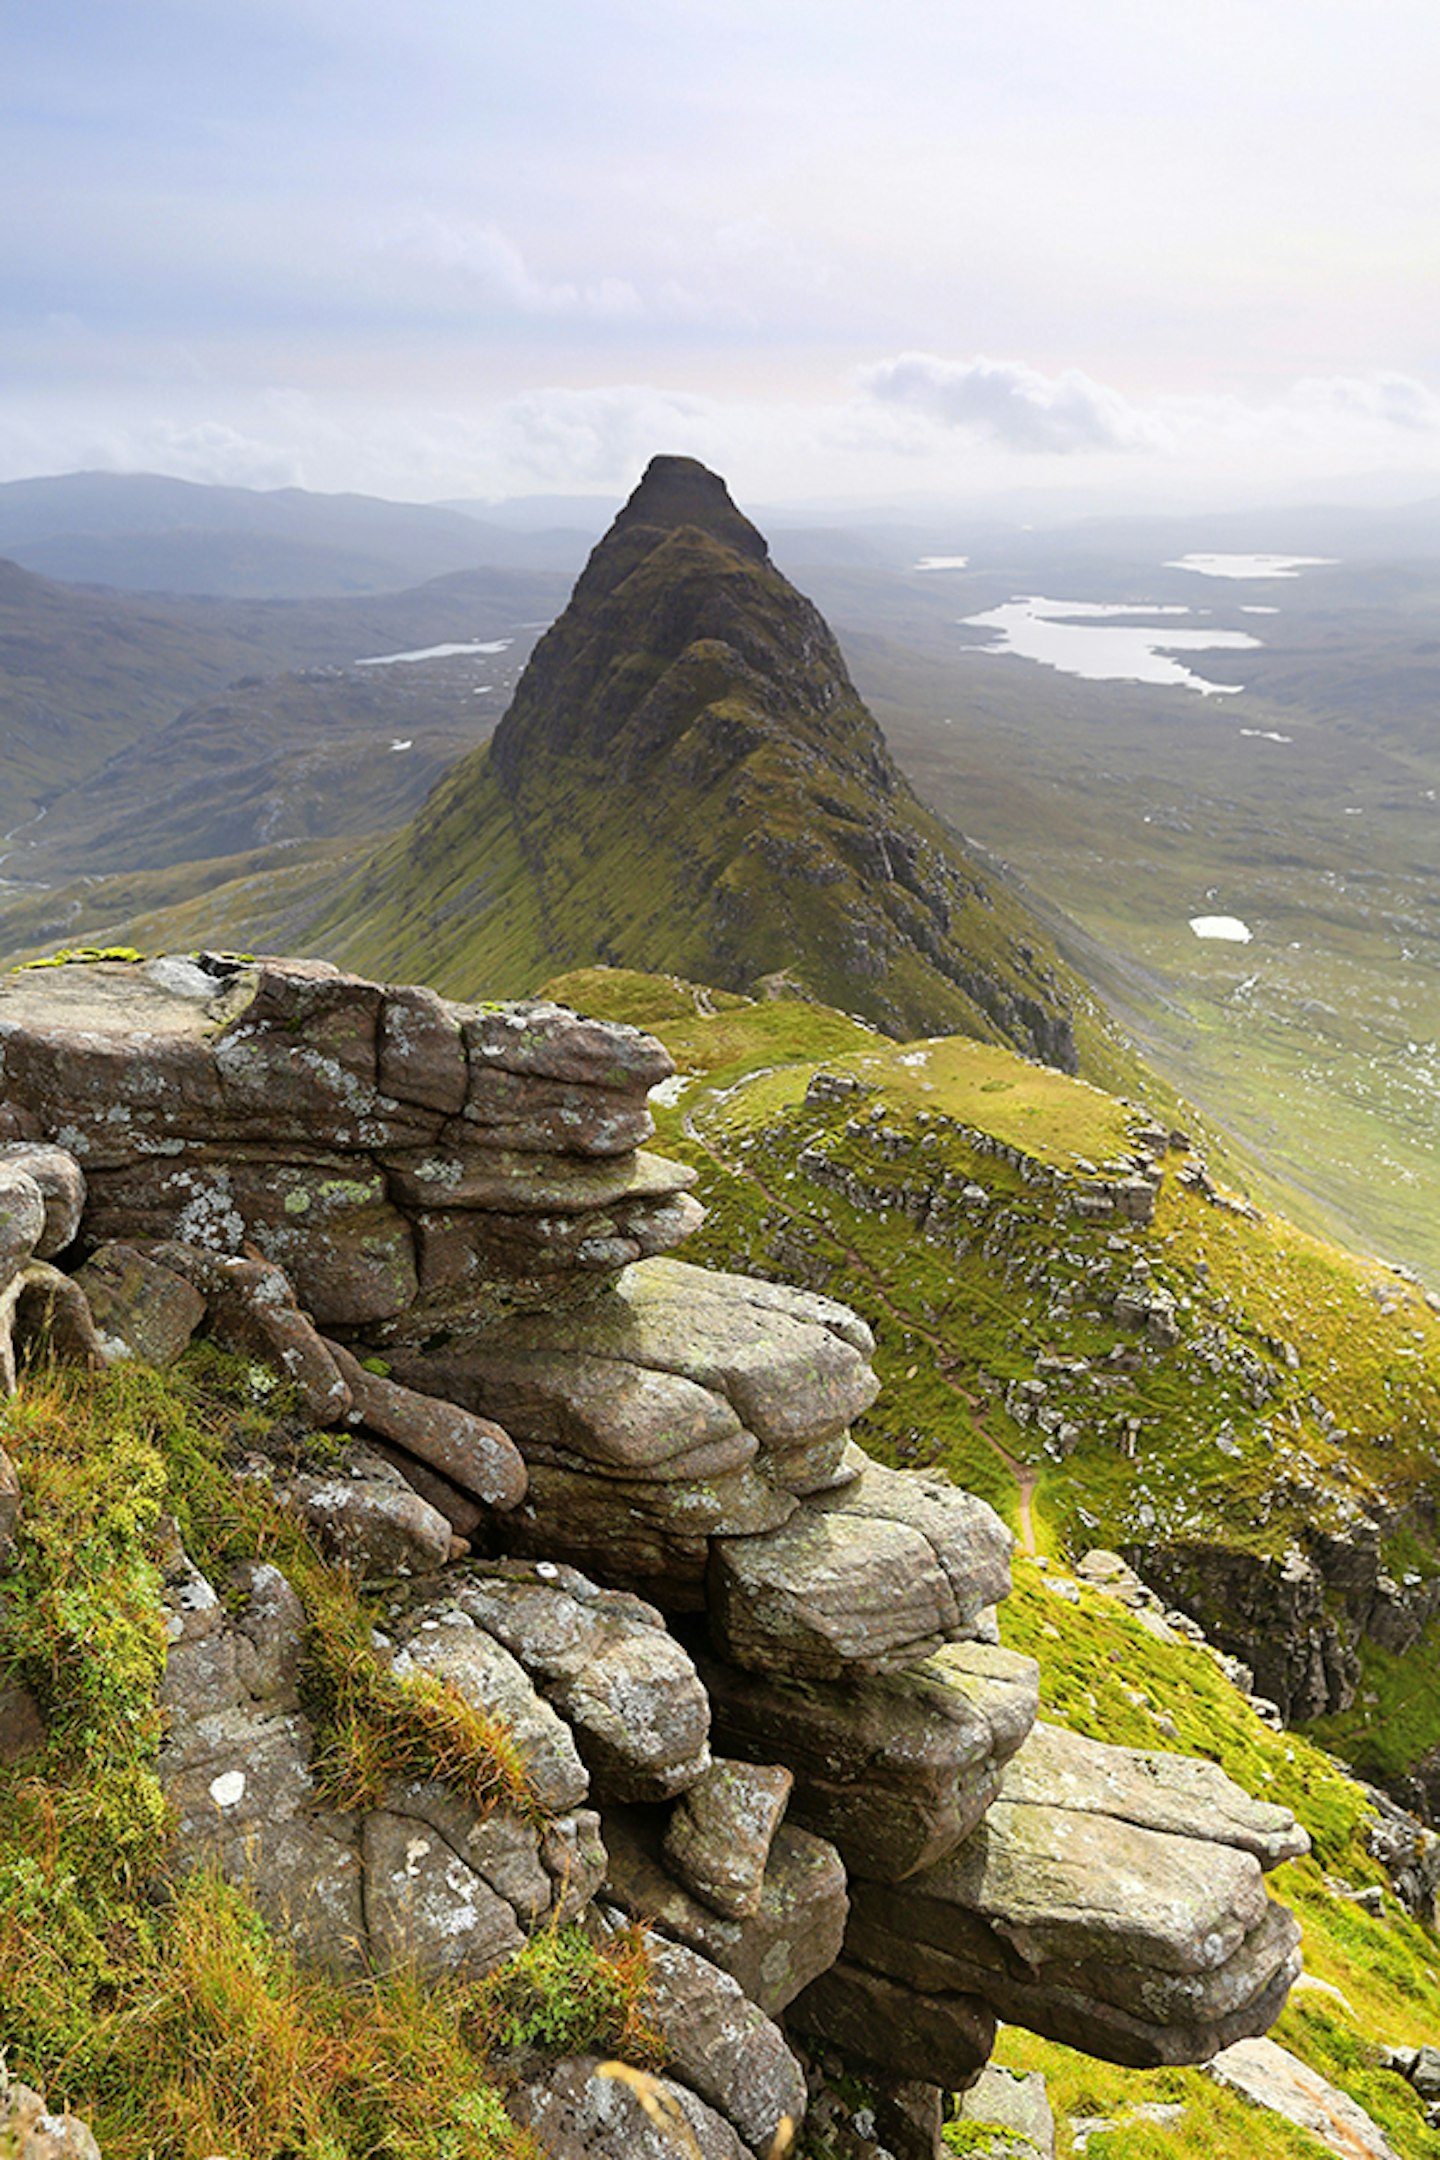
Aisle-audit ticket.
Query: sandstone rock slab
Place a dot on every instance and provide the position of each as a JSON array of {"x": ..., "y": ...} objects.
[
  {"x": 1276, "y": 2080},
  {"x": 827, "y": 1594},
  {"x": 366, "y": 1517},
  {"x": 472, "y": 1452},
  {"x": 141, "y": 1309},
  {"x": 894, "y": 1769},
  {"x": 583, "y": 2110},
  {"x": 1153, "y": 1790},
  {"x": 718, "y": 1839},
  {"x": 795, "y": 1934},
  {"x": 723, "y": 2046},
  {"x": 626, "y": 1688},
  {"x": 425, "y": 1909},
  {"x": 485, "y": 1673},
  {"x": 62, "y": 1188}
]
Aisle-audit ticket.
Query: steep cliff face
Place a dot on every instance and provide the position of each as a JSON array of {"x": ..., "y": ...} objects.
[{"x": 687, "y": 780}]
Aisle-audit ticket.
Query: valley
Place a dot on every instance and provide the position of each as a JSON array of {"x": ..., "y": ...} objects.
[{"x": 1108, "y": 1299}]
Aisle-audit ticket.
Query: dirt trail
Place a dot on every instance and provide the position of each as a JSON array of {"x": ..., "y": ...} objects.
[{"x": 1025, "y": 1476}]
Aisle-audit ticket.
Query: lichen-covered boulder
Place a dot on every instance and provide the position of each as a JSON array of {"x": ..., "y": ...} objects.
[
  {"x": 367, "y": 1517},
  {"x": 827, "y": 1595},
  {"x": 62, "y": 1188},
  {"x": 724, "y": 2047},
  {"x": 22, "y": 1219},
  {"x": 28, "y": 2131},
  {"x": 893, "y": 1769},
  {"x": 472, "y": 1452},
  {"x": 583, "y": 2109},
  {"x": 1119, "y": 1918},
  {"x": 484, "y": 1672},
  {"x": 142, "y": 1310},
  {"x": 718, "y": 1838},
  {"x": 794, "y": 1934},
  {"x": 625, "y": 1687}
]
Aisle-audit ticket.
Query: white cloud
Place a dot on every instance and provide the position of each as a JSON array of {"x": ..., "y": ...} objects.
[
  {"x": 1016, "y": 406},
  {"x": 485, "y": 256}
]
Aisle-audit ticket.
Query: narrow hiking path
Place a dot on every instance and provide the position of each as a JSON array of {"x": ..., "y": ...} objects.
[{"x": 1025, "y": 1476}]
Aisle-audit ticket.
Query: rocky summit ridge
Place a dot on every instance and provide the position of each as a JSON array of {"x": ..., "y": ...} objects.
[
  {"x": 686, "y": 779},
  {"x": 753, "y": 1676}
]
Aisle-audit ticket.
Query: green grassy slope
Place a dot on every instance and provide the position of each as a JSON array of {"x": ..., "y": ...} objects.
[{"x": 1295, "y": 1410}]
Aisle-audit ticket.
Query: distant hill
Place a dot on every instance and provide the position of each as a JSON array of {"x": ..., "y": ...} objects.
[
  {"x": 142, "y": 532},
  {"x": 134, "y": 730},
  {"x": 687, "y": 780}
]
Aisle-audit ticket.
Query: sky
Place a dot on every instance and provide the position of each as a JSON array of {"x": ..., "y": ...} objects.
[{"x": 843, "y": 251}]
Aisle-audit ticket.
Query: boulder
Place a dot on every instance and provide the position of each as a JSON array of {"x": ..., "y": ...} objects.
[
  {"x": 791, "y": 1378},
  {"x": 626, "y": 1688},
  {"x": 62, "y": 1188},
  {"x": 723, "y": 2046},
  {"x": 795, "y": 1933},
  {"x": 583, "y": 2109},
  {"x": 28, "y": 2131},
  {"x": 365, "y": 1516},
  {"x": 1016, "y": 2102},
  {"x": 1276, "y": 2080},
  {"x": 718, "y": 1839},
  {"x": 485, "y": 1673},
  {"x": 141, "y": 1309},
  {"x": 829, "y": 1594},
  {"x": 22, "y": 1219},
  {"x": 472, "y": 1452},
  {"x": 1139, "y": 1944},
  {"x": 971, "y": 1545},
  {"x": 893, "y": 1769}
]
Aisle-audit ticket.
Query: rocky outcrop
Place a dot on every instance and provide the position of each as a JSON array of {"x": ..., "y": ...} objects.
[{"x": 749, "y": 1674}]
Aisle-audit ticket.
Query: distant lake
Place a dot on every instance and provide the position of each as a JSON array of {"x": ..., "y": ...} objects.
[
  {"x": 1250, "y": 566},
  {"x": 434, "y": 652},
  {"x": 1080, "y": 637}
]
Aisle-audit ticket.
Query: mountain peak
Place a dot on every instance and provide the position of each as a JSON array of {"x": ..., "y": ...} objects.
[
  {"x": 688, "y": 782},
  {"x": 677, "y": 491}
]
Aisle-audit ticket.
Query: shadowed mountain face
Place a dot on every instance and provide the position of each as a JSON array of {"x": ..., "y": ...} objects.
[{"x": 687, "y": 780}]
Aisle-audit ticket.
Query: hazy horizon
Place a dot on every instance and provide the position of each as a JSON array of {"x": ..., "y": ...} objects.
[{"x": 1127, "y": 252}]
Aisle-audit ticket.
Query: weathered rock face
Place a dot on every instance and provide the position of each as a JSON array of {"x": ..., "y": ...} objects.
[
  {"x": 1110, "y": 1899},
  {"x": 884, "y": 1847},
  {"x": 392, "y": 1153},
  {"x": 1295, "y": 1622}
]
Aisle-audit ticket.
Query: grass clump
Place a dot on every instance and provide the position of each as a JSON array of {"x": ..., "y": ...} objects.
[
  {"x": 564, "y": 1994},
  {"x": 168, "y": 2015}
]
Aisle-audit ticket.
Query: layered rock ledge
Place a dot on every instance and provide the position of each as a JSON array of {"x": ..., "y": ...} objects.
[{"x": 614, "y": 1500}]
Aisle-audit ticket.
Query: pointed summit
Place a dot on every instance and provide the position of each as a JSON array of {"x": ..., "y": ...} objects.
[
  {"x": 687, "y": 782},
  {"x": 681, "y": 491}
]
